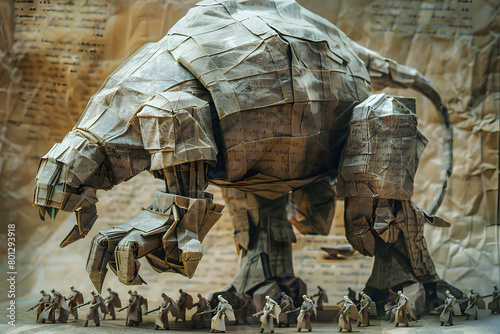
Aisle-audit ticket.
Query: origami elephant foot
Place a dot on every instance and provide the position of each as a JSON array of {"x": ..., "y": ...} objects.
[
  {"x": 101, "y": 254},
  {"x": 169, "y": 234}
]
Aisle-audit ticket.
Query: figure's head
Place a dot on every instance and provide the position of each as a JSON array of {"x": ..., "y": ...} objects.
[
  {"x": 221, "y": 299},
  {"x": 199, "y": 296},
  {"x": 109, "y": 289},
  {"x": 283, "y": 294},
  {"x": 399, "y": 293},
  {"x": 267, "y": 298},
  {"x": 53, "y": 290},
  {"x": 42, "y": 292},
  {"x": 347, "y": 299},
  {"x": 72, "y": 288},
  {"x": 130, "y": 292},
  {"x": 448, "y": 293},
  {"x": 93, "y": 293},
  {"x": 495, "y": 287},
  {"x": 304, "y": 297},
  {"x": 164, "y": 296},
  {"x": 471, "y": 291},
  {"x": 180, "y": 291}
]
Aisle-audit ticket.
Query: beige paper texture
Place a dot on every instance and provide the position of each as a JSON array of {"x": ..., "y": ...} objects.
[{"x": 54, "y": 57}]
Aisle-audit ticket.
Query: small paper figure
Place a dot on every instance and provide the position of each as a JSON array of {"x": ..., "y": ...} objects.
[
  {"x": 306, "y": 310},
  {"x": 347, "y": 312},
  {"x": 322, "y": 297},
  {"x": 475, "y": 302},
  {"x": 96, "y": 305},
  {"x": 286, "y": 306},
  {"x": 403, "y": 310},
  {"x": 135, "y": 309},
  {"x": 246, "y": 309},
  {"x": 494, "y": 305},
  {"x": 450, "y": 308},
  {"x": 270, "y": 312},
  {"x": 224, "y": 309},
  {"x": 185, "y": 301},
  {"x": 57, "y": 310},
  {"x": 75, "y": 298},
  {"x": 42, "y": 304},
  {"x": 168, "y": 305},
  {"x": 367, "y": 308},
  {"x": 112, "y": 301},
  {"x": 200, "y": 316}
]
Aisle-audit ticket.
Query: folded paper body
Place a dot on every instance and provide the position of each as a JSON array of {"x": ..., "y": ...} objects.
[{"x": 256, "y": 96}]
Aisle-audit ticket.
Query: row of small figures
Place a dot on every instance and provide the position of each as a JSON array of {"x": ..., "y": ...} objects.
[
  {"x": 58, "y": 308},
  {"x": 475, "y": 301},
  {"x": 402, "y": 311}
]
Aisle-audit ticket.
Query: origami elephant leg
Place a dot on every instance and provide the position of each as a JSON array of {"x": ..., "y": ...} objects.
[
  {"x": 101, "y": 253},
  {"x": 263, "y": 238},
  {"x": 311, "y": 208},
  {"x": 169, "y": 233},
  {"x": 376, "y": 175},
  {"x": 392, "y": 231},
  {"x": 189, "y": 179}
]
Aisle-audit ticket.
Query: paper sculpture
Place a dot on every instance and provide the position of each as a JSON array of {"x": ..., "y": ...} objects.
[
  {"x": 44, "y": 302},
  {"x": 287, "y": 306},
  {"x": 246, "y": 308},
  {"x": 75, "y": 298},
  {"x": 402, "y": 310},
  {"x": 112, "y": 301},
  {"x": 450, "y": 307},
  {"x": 161, "y": 318},
  {"x": 347, "y": 312},
  {"x": 96, "y": 305},
  {"x": 268, "y": 314},
  {"x": 137, "y": 306},
  {"x": 475, "y": 302},
  {"x": 261, "y": 98},
  {"x": 366, "y": 308},
  {"x": 322, "y": 298},
  {"x": 55, "y": 311},
  {"x": 494, "y": 305},
  {"x": 200, "y": 317},
  {"x": 224, "y": 310},
  {"x": 185, "y": 301},
  {"x": 307, "y": 310}
]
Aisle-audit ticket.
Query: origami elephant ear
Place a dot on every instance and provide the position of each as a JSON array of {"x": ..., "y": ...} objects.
[{"x": 176, "y": 128}]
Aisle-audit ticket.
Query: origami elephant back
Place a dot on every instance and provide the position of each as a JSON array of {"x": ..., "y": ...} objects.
[{"x": 280, "y": 80}]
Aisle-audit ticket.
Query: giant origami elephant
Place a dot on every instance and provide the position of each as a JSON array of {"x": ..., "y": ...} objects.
[{"x": 256, "y": 97}]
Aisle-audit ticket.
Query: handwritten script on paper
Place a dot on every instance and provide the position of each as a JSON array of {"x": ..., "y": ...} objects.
[
  {"x": 437, "y": 17},
  {"x": 59, "y": 48}
]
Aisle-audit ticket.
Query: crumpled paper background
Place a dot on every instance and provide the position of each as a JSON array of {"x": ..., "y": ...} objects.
[{"x": 53, "y": 57}]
